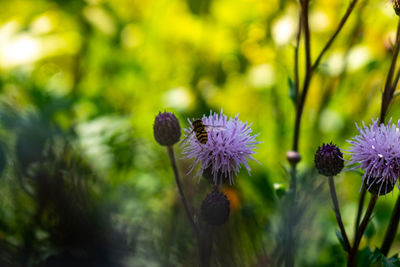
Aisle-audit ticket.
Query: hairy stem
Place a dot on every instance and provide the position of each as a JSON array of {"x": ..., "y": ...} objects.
[{"x": 337, "y": 212}]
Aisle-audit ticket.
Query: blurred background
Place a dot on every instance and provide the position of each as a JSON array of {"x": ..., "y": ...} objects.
[{"x": 83, "y": 182}]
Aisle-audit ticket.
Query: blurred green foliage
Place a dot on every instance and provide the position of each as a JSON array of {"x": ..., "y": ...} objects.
[{"x": 82, "y": 81}]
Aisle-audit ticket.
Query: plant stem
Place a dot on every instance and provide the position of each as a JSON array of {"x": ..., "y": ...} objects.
[
  {"x": 389, "y": 88},
  {"x": 178, "y": 183},
  {"x": 300, "y": 102},
  {"x": 337, "y": 212},
  {"x": 296, "y": 60},
  {"x": 392, "y": 229},
  {"x": 360, "y": 209},
  {"x": 340, "y": 26},
  {"x": 206, "y": 245},
  {"x": 387, "y": 96},
  {"x": 310, "y": 68},
  {"x": 352, "y": 257}
]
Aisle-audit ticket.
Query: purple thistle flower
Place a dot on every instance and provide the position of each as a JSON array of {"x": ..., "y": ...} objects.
[
  {"x": 377, "y": 149},
  {"x": 229, "y": 145}
]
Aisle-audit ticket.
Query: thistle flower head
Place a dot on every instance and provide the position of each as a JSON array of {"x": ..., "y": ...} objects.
[
  {"x": 329, "y": 160},
  {"x": 229, "y": 145},
  {"x": 215, "y": 208},
  {"x": 167, "y": 130},
  {"x": 377, "y": 150}
]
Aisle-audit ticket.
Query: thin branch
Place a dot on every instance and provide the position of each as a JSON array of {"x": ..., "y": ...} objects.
[
  {"x": 307, "y": 38},
  {"x": 339, "y": 28},
  {"x": 396, "y": 82},
  {"x": 389, "y": 89},
  {"x": 296, "y": 60},
  {"x": 337, "y": 212},
  {"x": 310, "y": 68}
]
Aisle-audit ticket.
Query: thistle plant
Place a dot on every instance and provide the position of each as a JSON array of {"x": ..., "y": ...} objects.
[
  {"x": 228, "y": 147},
  {"x": 299, "y": 91},
  {"x": 226, "y": 144},
  {"x": 377, "y": 151}
]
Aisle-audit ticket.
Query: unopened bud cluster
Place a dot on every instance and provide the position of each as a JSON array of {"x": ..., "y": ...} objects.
[
  {"x": 215, "y": 208},
  {"x": 329, "y": 160},
  {"x": 167, "y": 130}
]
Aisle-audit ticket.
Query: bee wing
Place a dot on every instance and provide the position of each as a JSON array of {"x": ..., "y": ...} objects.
[
  {"x": 183, "y": 141},
  {"x": 215, "y": 128}
]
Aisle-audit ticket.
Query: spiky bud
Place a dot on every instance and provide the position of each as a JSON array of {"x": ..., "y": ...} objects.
[
  {"x": 329, "y": 160},
  {"x": 167, "y": 130},
  {"x": 378, "y": 186},
  {"x": 215, "y": 208},
  {"x": 396, "y": 6}
]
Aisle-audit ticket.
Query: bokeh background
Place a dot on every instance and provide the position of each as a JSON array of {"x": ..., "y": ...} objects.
[{"x": 83, "y": 182}]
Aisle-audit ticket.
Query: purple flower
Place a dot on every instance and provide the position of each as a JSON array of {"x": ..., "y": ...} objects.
[
  {"x": 377, "y": 150},
  {"x": 229, "y": 145}
]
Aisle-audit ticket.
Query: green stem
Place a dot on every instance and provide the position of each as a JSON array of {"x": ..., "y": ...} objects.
[
  {"x": 337, "y": 212},
  {"x": 178, "y": 183},
  {"x": 352, "y": 257},
  {"x": 392, "y": 229}
]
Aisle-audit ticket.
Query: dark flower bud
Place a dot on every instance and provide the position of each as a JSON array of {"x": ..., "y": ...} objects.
[
  {"x": 215, "y": 208},
  {"x": 293, "y": 157},
  {"x": 396, "y": 6},
  {"x": 329, "y": 160},
  {"x": 167, "y": 130},
  {"x": 378, "y": 186}
]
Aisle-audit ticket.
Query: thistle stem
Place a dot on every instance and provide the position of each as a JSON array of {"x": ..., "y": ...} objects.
[
  {"x": 387, "y": 96},
  {"x": 301, "y": 98},
  {"x": 392, "y": 229},
  {"x": 340, "y": 26},
  {"x": 389, "y": 86},
  {"x": 360, "y": 209},
  {"x": 337, "y": 212},
  {"x": 352, "y": 257},
  {"x": 178, "y": 184},
  {"x": 206, "y": 245}
]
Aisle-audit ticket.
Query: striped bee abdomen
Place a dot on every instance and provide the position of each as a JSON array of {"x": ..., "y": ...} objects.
[{"x": 201, "y": 133}]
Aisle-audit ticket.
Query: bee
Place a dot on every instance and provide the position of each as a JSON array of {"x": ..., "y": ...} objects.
[{"x": 200, "y": 129}]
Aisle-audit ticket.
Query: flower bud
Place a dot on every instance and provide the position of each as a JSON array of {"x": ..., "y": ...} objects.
[
  {"x": 215, "y": 208},
  {"x": 396, "y": 6},
  {"x": 293, "y": 157},
  {"x": 378, "y": 186},
  {"x": 167, "y": 130},
  {"x": 329, "y": 160}
]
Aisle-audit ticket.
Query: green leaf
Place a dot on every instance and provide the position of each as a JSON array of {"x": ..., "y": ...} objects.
[
  {"x": 364, "y": 257},
  {"x": 340, "y": 238},
  {"x": 370, "y": 231}
]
